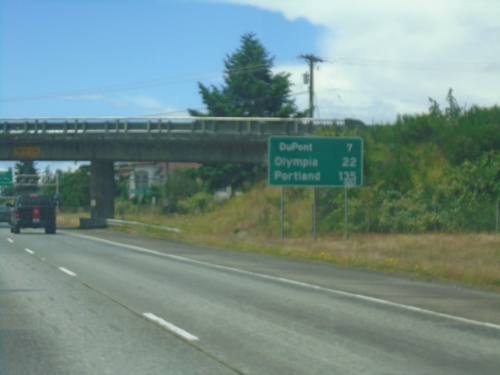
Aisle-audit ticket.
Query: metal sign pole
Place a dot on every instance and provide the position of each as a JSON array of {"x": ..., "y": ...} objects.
[
  {"x": 314, "y": 214},
  {"x": 346, "y": 215},
  {"x": 282, "y": 214}
]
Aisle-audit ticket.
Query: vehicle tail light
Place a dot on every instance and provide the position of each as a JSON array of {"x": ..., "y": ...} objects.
[{"x": 36, "y": 214}]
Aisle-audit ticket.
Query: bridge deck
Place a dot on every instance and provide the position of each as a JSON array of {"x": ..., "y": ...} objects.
[{"x": 194, "y": 139}]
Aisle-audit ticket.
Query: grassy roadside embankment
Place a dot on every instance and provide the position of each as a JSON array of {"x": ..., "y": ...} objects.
[{"x": 251, "y": 222}]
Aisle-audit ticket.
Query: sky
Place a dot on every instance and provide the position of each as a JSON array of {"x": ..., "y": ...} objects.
[{"x": 381, "y": 58}]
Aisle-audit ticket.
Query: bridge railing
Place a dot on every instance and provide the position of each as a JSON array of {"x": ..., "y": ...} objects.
[{"x": 127, "y": 125}]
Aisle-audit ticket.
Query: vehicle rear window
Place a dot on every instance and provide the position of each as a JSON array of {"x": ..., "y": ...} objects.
[{"x": 34, "y": 200}]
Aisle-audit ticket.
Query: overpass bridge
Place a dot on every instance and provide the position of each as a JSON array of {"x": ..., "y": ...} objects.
[
  {"x": 190, "y": 139},
  {"x": 104, "y": 140}
]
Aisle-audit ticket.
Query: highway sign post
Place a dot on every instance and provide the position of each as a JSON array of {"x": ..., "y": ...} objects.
[{"x": 316, "y": 162}]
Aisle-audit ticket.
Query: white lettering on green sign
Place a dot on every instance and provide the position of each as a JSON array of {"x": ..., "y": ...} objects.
[
  {"x": 280, "y": 161},
  {"x": 281, "y": 176},
  {"x": 295, "y": 146}
]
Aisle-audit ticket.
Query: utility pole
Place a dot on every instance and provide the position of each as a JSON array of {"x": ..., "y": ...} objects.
[{"x": 311, "y": 60}]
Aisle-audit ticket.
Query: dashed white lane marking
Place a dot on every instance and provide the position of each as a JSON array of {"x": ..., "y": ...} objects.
[
  {"x": 68, "y": 272},
  {"x": 29, "y": 251},
  {"x": 10, "y": 240},
  {"x": 171, "y": 327}
]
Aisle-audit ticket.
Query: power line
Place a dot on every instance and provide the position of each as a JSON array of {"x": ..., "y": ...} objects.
[
  {"x": 449, "y": 66},
  {"x": 455, "y": 66},
  {"x": 99, "y": 90},
  {"x": 239, "y": 102},
  {"x": 131, "y": 85}
]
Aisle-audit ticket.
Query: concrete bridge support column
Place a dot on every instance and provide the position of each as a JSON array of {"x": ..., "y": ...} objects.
[{"x": 102, "y": 188}]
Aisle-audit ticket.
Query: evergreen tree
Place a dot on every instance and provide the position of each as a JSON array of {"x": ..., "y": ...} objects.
[{"x": 250, "y": 90}]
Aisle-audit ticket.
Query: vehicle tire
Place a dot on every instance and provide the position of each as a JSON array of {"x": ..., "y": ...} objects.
[
  {"x": 16, "y": 229},
  {"x": 51, "y": 229}
]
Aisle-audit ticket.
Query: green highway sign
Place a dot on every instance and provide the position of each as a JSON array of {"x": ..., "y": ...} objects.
[
  {"x": 6, "y": 178},
  {"x": 315, "y": 161}
]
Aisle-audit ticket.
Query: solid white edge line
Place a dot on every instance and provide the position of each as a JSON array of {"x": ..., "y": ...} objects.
[
  {"x": 29, "y": 251},
  {"x": 68, "y": 272},
  {"x": 171, "y": 327},
  {"x": 302, "y": 284}
]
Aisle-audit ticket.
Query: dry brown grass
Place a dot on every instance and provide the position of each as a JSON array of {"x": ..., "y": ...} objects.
[
  {"x": 252, "y": 224},
  {"x": 69, "y": 220},
  {"x": 472, "y": 258},
  {"x": 468, "y": 258}
]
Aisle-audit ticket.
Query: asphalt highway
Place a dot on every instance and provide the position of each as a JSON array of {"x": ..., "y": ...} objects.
[{"x": 101, "y": 302}]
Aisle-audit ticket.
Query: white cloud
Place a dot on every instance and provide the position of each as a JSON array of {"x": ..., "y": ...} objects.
[
  {"x": 145, "y": 102},
  {"x": 150, "y": 106},
  {"x": 142, "y": 105},
  {"x": 387, "y": 57}
]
